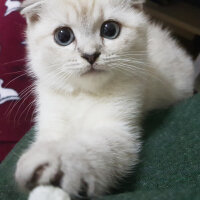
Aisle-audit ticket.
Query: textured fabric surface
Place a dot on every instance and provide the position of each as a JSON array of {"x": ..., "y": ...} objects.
[
  {"x": 169, "y": 167},
  {"x": 15, "y": 99}
]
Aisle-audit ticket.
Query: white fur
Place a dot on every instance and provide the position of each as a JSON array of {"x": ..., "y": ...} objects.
[
  {"x": 88, "y": 126},
  {"x": 48, "y": 193}
]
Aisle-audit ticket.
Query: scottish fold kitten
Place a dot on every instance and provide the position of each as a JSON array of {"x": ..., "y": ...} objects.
[{"x": 100, "y": 65}]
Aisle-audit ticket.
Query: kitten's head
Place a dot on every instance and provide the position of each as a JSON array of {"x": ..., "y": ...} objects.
[{"x": 83, "y": 43}]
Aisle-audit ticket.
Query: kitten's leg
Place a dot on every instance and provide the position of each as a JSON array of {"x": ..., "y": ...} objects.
[
  {"x": 93, "y": 163},
  {"x": 89, "y": 164},
  {"x": 39, "y": 165}
]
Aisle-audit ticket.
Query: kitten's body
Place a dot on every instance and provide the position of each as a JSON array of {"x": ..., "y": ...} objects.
[{"x": 89, "y": 124}]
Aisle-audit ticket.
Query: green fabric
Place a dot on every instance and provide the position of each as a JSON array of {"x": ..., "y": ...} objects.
[{"x": 170, "y": 159}]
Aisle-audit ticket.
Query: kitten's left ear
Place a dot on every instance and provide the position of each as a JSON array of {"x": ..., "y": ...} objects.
[{"x": 137, "y": 4}]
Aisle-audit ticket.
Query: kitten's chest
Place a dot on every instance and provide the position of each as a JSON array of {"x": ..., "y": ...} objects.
[
  {"x": 82, "y": 113},
  {"x": 84, "y": 110}
]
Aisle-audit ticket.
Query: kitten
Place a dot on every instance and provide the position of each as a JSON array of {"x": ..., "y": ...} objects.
[{"x": 99, "y": 66}]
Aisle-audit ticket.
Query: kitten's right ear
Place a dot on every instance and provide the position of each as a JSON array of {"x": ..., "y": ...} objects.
[
  {"x": 137, "y": 4},
  {"x": 31, "y": 9}
]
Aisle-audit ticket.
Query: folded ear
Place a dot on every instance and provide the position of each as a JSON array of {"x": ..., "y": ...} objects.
[
  {"x": 31, "y": 10},
  {"x": 137, "y": 4}
]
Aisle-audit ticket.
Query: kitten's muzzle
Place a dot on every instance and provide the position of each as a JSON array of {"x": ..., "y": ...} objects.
[{"x": 91, "y": 58}]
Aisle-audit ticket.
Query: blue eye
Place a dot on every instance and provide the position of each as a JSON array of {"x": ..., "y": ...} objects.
[
  {"x": 64, "y": 36},
  {"x": 110, "y": 30}
]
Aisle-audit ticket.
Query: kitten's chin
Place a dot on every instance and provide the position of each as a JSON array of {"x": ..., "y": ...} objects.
[
  {"x": 92, "y": 80},
  {"x": 93, "y": 71}
]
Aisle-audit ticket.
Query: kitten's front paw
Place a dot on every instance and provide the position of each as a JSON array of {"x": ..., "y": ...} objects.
[
  {"x": 38, "y": 166},
  {"x": 48, "y": 193}
]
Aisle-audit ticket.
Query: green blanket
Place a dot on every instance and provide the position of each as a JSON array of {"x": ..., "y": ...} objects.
[{"x": 170, "y": 159}]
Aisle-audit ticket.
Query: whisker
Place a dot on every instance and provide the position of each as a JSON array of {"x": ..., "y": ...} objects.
[
  {"x": 131, "y": 66},
  {"x": 15, "y": 79},
  {"x": 27, "y": 107},
  {"x": 27, "y": 96},
  {"x": 22, "y": 94},
  {"x": 145, "y": 72},
  {"x": 32, "y": 105},
  {"x": 11, "y": 73},
  {"x": 14, "y": 61}
]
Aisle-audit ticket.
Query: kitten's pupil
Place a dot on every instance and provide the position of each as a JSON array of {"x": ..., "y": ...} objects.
[
  {"x": 110, "y": 30},
  {"x": 64, "y": 36}
]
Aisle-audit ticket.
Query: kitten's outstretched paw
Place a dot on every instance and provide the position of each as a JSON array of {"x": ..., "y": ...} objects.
[
  {"x": 81, "y": 178},
  {"x": 38, "y": 166}
]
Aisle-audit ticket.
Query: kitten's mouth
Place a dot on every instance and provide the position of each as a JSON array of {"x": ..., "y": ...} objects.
[{"x": 92, "y": 70}]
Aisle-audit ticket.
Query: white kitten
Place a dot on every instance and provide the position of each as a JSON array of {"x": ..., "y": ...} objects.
[{"x": 99, "y": 66}]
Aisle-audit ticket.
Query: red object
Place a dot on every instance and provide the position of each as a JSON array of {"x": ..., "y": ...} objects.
[{"x": 16, "y": 108}]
